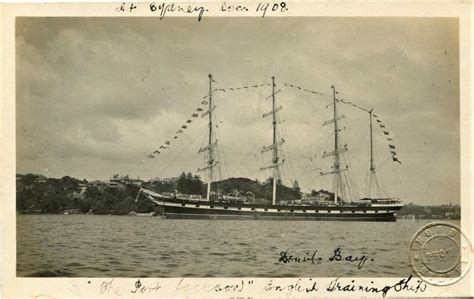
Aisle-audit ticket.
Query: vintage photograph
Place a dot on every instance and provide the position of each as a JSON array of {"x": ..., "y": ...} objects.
[{"x": 257, "y": 147}]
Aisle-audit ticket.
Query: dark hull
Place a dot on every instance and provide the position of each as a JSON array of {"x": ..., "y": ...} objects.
[
  {"x": 187, "y": 209},
  {"x": 178, "y": 213}
]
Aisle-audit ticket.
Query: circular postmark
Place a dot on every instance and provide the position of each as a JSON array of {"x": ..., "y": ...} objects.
[{"x": 440, "y": 253}]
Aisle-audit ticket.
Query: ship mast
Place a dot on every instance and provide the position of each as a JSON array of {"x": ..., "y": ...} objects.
[
  {"x": 274, "y": 147},
  {"x": 374, "y": 186},
  {"x": 337, "y": 170},
  {"x": 337, "y": 162},
  {"x": 372, "y": 166},
  {"x": 210, "y": 147}
]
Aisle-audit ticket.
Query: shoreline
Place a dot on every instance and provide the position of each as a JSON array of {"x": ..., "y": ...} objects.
[{"x": 153, "y": 214}]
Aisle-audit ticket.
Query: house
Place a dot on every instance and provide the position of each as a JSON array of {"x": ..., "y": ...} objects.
[
  {"x": 315, "y": 197},
  {"x": 136, "y": 182},
  {"x": 112, "y": 184},
  {"x": 97, "y": 183},
  {"x": 41, "y": 179}
]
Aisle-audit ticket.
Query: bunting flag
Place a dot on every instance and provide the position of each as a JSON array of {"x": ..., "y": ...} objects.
[
  {"x": 352, "y": 104},
  {"x": 204, "y": 101},
  {"x": 391, "y": 147},
  {"x": 320, "y": 93},
  {"x": 301, "y": 88},
  {"x": 386, "y": 133},
  {"x": 239, "y": 88}
]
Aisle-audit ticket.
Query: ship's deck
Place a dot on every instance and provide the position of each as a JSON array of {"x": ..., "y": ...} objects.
[{"x": 283, "y": 207}]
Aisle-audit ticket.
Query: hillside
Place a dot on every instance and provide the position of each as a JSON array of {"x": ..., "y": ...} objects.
[{"x": 38, "y": 194}]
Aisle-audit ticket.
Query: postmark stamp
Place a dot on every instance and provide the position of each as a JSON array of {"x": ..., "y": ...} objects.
[{"x": 440, "y": 253}]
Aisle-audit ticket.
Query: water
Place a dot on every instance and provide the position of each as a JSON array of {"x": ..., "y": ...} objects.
[{"x": 123, "y": 246}]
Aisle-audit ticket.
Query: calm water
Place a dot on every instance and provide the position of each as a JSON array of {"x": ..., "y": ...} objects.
[{"x": 123, "y": 246}]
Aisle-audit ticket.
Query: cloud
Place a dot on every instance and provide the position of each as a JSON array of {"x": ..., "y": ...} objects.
[{"x": 95, "y": 96}]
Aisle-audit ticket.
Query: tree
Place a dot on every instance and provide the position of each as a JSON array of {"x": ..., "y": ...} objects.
[
  {"x": 189, "y": 183},
  {"x": 197, "y": 185},
  {"x": 296, "y": 186},
  {"x": 67, "y": 183},
  {"x": 84, "y": 206},
  {"x": 29, "y": 179},
  {"x": 182, "y": 184}
]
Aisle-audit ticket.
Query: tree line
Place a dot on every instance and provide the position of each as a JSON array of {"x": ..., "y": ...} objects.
[
  {"x": 38, "y": 194},
  {"x": 35, "y": 193}
]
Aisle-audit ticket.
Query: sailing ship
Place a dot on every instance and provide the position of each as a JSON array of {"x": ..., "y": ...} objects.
[{"x": 241, "y": 205}]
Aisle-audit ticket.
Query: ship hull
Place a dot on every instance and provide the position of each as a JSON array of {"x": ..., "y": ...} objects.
[
  {"x": 188, "y": 209},
  {"x": 179, "y": 213}
]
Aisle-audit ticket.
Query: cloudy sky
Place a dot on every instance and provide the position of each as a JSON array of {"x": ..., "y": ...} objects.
[{"x": 96, "y": 96}]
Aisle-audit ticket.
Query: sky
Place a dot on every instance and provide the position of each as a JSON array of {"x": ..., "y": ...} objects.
[{"x": 96, "y": 96}]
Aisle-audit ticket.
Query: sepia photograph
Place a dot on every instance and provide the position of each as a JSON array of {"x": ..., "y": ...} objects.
[
  {"x": 281, "y": 147},
  {"x": 235, "y": 150}
]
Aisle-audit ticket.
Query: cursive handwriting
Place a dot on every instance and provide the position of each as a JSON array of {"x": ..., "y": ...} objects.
[
  {"x": 311, "y": 257},
  {"x": 140, "y": 288},
  {"x": 298, "y": 286},
  {"x": 218, "y": 287},
  {"x": 403, "y": 285},
  {"x": 275, "y": 287},
  {"x": 286, "y": 258},
  {"x": 339, "y": 285},
  {"x": 337, "y": 256},
  {"x": 162, "y": 9},
  {"x": 107, "y": 287}
]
